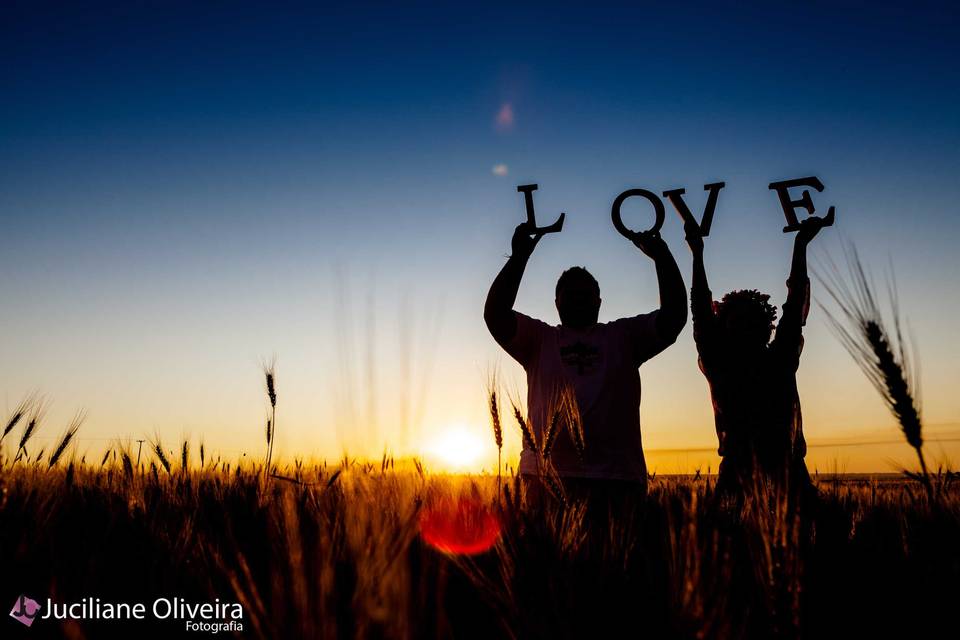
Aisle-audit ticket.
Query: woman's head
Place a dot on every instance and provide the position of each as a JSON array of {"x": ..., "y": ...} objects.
[{"x": 747, "y": 318}]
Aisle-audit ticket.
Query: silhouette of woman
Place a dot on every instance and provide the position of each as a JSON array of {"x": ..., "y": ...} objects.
[{"x": 752, "y": 379}]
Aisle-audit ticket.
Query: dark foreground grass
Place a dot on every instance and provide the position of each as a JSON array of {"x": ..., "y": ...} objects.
[{"x": 338, "y": 554}]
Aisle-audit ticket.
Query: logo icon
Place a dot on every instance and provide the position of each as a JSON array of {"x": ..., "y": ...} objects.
[{"x": 25, "y": 610}]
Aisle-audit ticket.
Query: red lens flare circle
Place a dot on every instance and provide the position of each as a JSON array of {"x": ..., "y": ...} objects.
[{"x": 463, "y": 526}]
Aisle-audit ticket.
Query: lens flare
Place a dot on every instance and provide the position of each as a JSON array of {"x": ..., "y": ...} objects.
[{"x": 463, "y": 525}]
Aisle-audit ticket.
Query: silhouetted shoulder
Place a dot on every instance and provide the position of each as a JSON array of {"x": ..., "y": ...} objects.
[
  {"x": 640, "y": 335},
  {"x": 524, "y": 346}
]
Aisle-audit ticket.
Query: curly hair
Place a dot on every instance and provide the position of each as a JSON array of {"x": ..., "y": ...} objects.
[{"x": 749, "y": 304}]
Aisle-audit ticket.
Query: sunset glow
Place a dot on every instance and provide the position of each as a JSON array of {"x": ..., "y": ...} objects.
[
  {"x": 457, "y": 449},
  {"x": 480, "y": 320},
  {"x": 174, "y": 212}
]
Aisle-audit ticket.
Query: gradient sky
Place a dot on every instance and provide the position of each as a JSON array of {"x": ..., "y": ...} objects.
[{"x": 189, "y": 189}]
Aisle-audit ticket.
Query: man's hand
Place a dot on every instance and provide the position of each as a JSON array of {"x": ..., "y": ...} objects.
[
  {"x": 498, "y": 310},
  {"x": 651, "y": 244},
  {"x": 694, "y": 238},
  {"x": 809, "y": 228},
  {"x": 672, "y": 314},
  {"x": 523, "y": 244}
]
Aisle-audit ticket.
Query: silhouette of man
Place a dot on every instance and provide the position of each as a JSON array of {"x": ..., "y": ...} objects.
[
  {"x": 752, "y": 379},
  {"x": 597, "y": 361}
]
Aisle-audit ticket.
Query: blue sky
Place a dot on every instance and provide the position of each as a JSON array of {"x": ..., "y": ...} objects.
[{"x": 184, "y": 189}]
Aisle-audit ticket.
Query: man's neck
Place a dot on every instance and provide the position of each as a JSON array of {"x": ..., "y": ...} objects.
[{"x": 578, "y": 329}]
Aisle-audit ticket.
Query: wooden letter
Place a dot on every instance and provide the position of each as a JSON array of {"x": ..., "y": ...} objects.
[
  {"x": 657, "y": 211},
  {"x": 790, "y": 206},
  {"x": 675, "y": 196},
  {"x": 527, "y": 191}
]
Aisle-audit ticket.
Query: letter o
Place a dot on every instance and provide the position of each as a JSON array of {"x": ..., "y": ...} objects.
[
  {"x": 654, "y": 199},
  {"x": 156, "y": 613}
]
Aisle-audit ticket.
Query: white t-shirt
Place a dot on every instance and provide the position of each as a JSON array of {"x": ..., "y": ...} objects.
[{"x": 601, "y": 365}]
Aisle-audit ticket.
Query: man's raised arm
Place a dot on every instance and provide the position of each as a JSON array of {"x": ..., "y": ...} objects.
[
  {"x": 498, "y": 310},
  {"x": 672, "y": 315}
]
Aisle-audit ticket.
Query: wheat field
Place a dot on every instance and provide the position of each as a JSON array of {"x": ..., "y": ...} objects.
[
  {"x": 385, "y": 549},
  {"x": 343, "y": 551}
]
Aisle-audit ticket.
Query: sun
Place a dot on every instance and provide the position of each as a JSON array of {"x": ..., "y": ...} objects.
[{"x": 456, "y": 449}]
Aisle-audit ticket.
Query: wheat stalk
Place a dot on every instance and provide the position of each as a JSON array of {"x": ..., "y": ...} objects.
[
  {"x": 14, "y": 419},
  {"x": 573, "y": 420},
  {"x": 496, "y": 423},
  {"x": 553, "y": 483},
  {"x": 550, "y": 435},
  {"x": 495, "y": 420},
  {"x": 127, "y": 463},
  {"x": 161, "y": 455},
  {"x": 68, "y": 436},
  {"x": 882, "y": 355},
  {"x": 22, "y": 409},
  {"x": 528, "y": 437},
  {"x": 30, "y": 430},
  {"x": 269, "y": 371}
]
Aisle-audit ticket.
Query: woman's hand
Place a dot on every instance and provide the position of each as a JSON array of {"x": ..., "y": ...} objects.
[{"x": 694, "y": 238}]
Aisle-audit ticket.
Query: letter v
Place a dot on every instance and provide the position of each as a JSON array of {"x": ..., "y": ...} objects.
[{"x": 675, "y": 196}]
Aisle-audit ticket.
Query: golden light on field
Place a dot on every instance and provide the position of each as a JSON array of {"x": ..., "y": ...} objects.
[{"x": 456, "y": 448}]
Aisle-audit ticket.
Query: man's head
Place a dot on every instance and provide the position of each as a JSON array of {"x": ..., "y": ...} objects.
[
  {"x": 577, "y": 298},
  {"x": 746, "y": 318}
]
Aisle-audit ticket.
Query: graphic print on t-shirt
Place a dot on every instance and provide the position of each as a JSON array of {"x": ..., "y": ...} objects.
[
  {"x": 601, "y": 363},
  {"x": 585, "y": 357}
]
